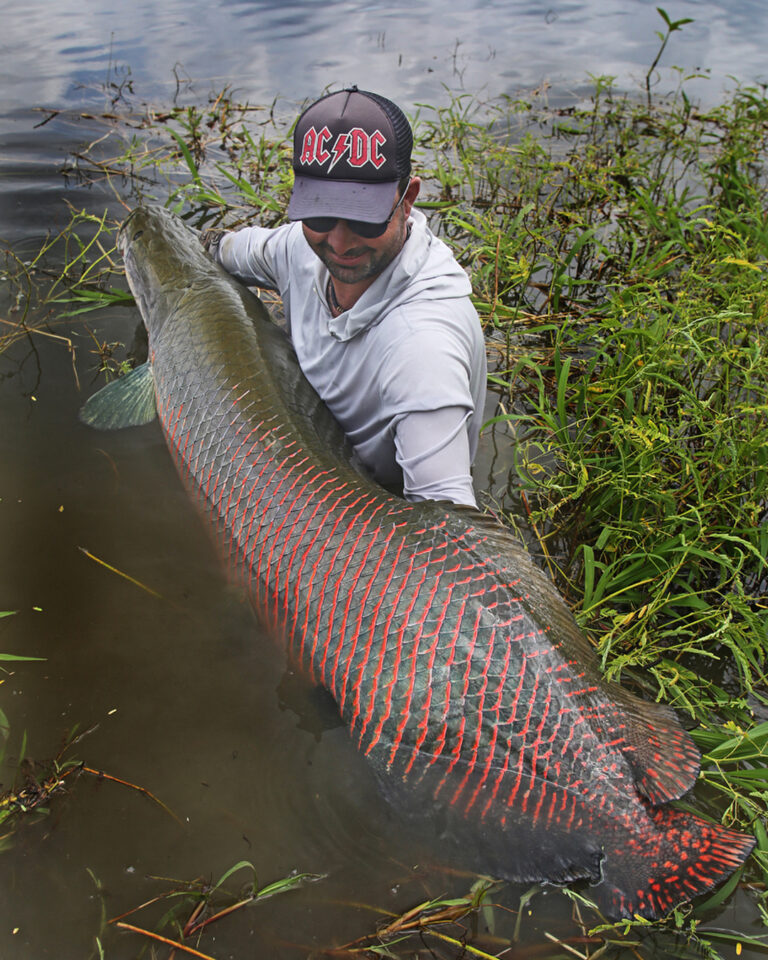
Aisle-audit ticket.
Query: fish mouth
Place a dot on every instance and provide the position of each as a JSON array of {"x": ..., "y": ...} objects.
[{"x": 126, "y": 234}]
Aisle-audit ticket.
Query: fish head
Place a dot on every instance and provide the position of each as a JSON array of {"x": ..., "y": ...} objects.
[{"x": 163, "y": 258}]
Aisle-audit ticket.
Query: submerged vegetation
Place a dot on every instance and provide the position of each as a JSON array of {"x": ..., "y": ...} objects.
[{"x": 618, "y": 249}]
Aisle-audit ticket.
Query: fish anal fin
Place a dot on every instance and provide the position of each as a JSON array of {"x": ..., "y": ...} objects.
[{"x": 128, "y": 401}]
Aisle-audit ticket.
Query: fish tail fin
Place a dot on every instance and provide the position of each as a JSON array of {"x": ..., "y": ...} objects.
[{"x": 683, "y": 857}]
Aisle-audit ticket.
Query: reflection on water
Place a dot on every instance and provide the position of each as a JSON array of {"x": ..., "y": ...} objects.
[{"x": 187, "y": 699}]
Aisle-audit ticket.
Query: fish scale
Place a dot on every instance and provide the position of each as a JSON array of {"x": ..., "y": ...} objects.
[{"x": 459, "y": 670}]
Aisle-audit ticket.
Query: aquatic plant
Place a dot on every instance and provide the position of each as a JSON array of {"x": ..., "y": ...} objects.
[{"x": 198, "y": 904}]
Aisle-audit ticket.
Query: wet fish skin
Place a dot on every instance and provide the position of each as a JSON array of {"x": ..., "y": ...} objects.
[{"x": 459, "y": 670}]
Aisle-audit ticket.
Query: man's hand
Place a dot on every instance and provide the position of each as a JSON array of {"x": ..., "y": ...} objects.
[{"x": 210, "y": 240}]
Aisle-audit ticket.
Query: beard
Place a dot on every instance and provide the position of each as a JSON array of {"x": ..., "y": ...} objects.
[{"x": 376, "y": 258}]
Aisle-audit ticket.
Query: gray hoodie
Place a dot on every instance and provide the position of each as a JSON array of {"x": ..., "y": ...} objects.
[{"x": 403, "y": 371}]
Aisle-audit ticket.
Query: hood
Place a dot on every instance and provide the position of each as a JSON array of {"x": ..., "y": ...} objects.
[{"x": 425, "y": 269}]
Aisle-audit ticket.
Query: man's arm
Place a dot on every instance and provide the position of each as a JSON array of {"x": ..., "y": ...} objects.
[
  {"x": 433, "y": 452},
  {"x": 256, "y": 255}
]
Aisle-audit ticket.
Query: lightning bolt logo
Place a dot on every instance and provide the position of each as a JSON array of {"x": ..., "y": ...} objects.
[{"x": 340, "y": 147}]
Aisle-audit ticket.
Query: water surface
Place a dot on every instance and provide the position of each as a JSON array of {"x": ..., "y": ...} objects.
[{"x": 184, "y": 696}]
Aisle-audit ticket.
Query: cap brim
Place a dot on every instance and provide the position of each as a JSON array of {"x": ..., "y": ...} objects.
[{"x": 347, "y": 199}]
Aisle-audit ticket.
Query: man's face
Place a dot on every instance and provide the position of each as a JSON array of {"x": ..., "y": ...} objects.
[{"x": 353, "y": 259}]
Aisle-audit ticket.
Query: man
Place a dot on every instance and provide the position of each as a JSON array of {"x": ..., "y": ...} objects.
[{"x": 376, "y": 306}]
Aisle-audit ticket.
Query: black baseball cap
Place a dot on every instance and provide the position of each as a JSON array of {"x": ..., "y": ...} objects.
[{"x": 350, "y": 150}]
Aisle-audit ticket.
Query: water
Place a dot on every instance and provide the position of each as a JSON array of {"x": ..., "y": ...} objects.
[{"x": 184, "y": 698}]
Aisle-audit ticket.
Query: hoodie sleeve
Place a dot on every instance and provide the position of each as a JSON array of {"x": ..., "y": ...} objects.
[
  {"x": 258, "y": 255},
  {"x": 426, "y": 392},
  {"x": 432, "y": 449},
  {"x": 428, "y": 369}
]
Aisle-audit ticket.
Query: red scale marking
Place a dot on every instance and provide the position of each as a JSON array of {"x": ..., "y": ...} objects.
[
  {"x": 443, "y": 734},
  {"x": 234, "y": 484},
  {"x": 521, "y": 753},
  {"x": 581, "y": 691},
  {"x": 432, "y": 652},
  {"x": 382, "y": 653},
  {"x": 480, "y": 711},
  {"x": 268, "y": 537},
  {"x": 250, "y": 541},
  {"x": 494, "y": 711},
  {"x": 351, "y": 588},
  {"x": 173, "y": 423},
  {"x": 542, "y": 782},
  {"x": 510, "y": 720},
  {"x": 182, "y": 459},
  {"x": 557, "y": 732},
  {"x": 383, "y": 593},
  {"x": 350, "y": 526},
  {"x": 176, "y": 440},
  {"x": 287, "y": 538},
  {"x": 456, "y": 752},
  {"x": 576, "y": 722},
  {"x": 383, "y": 547},
  {"x": 398, "y": 651},
  {"x": 569, "y": 825},
  {"x": 315, "y": 567},
  {"x": 552, "y": 813},
  {"x": 247, "y": 463},
  {"x": 613, "y": 744},
  {"x": 194, "y": 454},
  {"x": 406, "y": 711},
  {"x": 340, "y": 580},
  {"x": 328, "y": 482},
  {"x": 343, "y": 491},
  {"x": 264, "y": 489},
  {"x": 205, "y": 484},
  {"x": 280, "y": 466},
  {"x": 183, "y": 450},
  {"x": 258, "y": 539}
]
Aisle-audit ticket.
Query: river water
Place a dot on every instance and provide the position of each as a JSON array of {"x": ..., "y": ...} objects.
[{"x": 180, "y": 694}]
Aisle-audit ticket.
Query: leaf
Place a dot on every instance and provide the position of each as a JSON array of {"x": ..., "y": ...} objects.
[
  {"x": 589, "y": 573},
  {"x": 761, "y": 836},
  {"x": 288, "y": 883},
  {"x": 187, "y": 156},
  {"x": 241, "y": 865}
]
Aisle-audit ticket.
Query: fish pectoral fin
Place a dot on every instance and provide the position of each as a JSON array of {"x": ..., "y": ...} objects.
[{"x": 126, "y": 402}]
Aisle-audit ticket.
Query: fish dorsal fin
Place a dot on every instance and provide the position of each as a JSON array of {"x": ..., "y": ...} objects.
[
  {"x": 662, "y": 756},
  {"x": 126, "y": 402}
]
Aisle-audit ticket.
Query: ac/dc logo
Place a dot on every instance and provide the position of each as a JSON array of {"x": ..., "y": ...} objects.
[{"x": 358, "y": 146}]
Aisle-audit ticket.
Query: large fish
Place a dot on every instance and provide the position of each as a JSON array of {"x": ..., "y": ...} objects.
[{"x": 459, "y": 670}]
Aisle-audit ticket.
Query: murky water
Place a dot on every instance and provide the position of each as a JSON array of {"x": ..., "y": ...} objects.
[{"x": 185, "y": 699}]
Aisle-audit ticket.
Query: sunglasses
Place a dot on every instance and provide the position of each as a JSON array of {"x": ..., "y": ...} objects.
[{"x": 369, "y": 231}]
